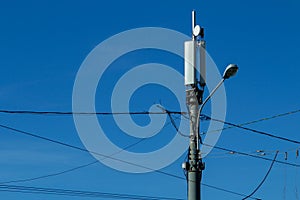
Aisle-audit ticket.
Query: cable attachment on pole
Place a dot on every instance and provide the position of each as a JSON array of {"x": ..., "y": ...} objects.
[
  {"x": 201, "y": 165},
  {"x": 192, "y": 94}
]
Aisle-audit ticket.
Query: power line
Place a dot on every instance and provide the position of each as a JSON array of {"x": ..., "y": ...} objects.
[
  {"x": 79, "y": 193},
  {"x": 253, "y": 130},
  {"x": 50, "y": 175},
  {"x": 264, "y": 179},
  {"x": 132, "y": 113},
  {"x": 55, "y": 191},
  {"x": 228, "y": 191},
  {"x": 243, "y": 153},
  {"x": 87, "y": 113},
  {"x": 257, "y": 120},
  {"x": 84, "y": 150},
  {"x": 109, "y": 157},
  {"x": 163, "y": 112},
  {"x": 233, "y": 125},
  {"x": 273, "y": 117},
  {"x": 68, "y": 170},
  {"x": 251, "y": 155},
  {"x": 78, "y": 167},
  {"x": 129, "y": 146},
  {"x": 174, "y": 124}
]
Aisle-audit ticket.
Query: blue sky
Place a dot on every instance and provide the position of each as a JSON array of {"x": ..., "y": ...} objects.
[{"x": 43, "y": 44}]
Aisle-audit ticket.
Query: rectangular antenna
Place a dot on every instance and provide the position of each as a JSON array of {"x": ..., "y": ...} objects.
[
  {"x": 202, "y": 46},
  {"x": 190, "y": 62}
]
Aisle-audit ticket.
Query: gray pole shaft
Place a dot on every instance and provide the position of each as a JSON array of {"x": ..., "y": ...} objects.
[
  {"x": 194, "y": 186},
  {"x": 194, "y": 172},
  {"x": 194, "y": 175}
]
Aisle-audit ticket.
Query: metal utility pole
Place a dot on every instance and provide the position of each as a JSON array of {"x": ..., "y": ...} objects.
[
  {"x": 194, "y": 95},
  {"x": 195, "y": 103}
]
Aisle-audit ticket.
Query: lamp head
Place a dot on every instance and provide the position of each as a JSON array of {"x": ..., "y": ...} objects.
[{"x": 230, "y": 71}]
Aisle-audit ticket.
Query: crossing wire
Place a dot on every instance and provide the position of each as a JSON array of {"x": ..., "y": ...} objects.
[
  {"x": 238, "y": 152},
  {"x": 264, "y": 179},
  {"x": 86, "y": 113},
  {"x": 78, "y": 167},
  {"x": 172, "y": 121},
  {"x": 112, "y": 158},
  {"x": 253, "y": 130},
  {"x": 257, "y": 120},
  {"x": 78, "y": 193},
  {"x": 131, "y": 113},
  {"x": 251, "y": 155}
]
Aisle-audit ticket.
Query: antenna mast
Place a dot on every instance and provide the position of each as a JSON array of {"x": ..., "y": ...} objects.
[{"x": 194, "y": 95}]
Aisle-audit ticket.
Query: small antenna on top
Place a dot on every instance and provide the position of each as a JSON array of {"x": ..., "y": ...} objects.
[
  {"x": 193, "y": 24},
  {"x": 196, "y": 29}
]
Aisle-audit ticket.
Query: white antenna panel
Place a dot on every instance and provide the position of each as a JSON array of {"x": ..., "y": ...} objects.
[{"x": 190, "y": 62}]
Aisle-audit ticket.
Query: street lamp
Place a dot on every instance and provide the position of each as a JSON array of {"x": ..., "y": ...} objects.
[{"x": 230, "y": 71}]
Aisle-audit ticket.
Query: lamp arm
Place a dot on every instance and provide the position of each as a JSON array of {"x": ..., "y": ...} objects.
[{"x": 202, "y": 106}]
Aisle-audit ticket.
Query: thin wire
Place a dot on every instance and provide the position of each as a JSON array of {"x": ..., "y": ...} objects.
[
  {"x": 221, "y": 189},
  {"x": 174, "y": 125},
  {"x": 86, "y": 113},
  {"x": 85, "y": 150},
  {"x": 227, "y": 191},
  {"x": 79, "y": 193},
  {"x": 109, "y": 157},
  {"x": 253, "y": 130},
  {"x": 134, "y": 113},
  {"x": 260, "y": 153},
  {"x": 253, "y": 156},
  {"x": 50, "y": 175},
  {"x": 256, "y": 121},
  {"x": 78, "y": 167},
  {"x": 149, "y": 113},
  {"x": 245, "y": 154},
  {"x": 264, "y": 179},
  {"x": 112, "y": 113},
  {"x": 224, "y": 190},
  {"x": 169, "y": 113},
  {"x": 182, "y": 113}
]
